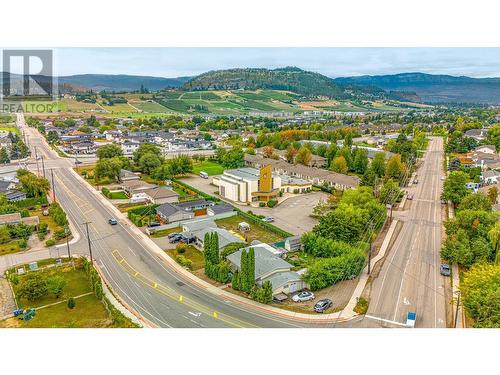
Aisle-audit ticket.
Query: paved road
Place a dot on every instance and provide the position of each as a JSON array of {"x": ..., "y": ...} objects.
[
  {"x": 409, "y": 279},
  {"x": 139, "y": 277}
]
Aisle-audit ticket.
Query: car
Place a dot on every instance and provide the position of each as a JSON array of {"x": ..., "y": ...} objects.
[
  {"x": 78, "y": 162},
  {"x": 268, "y": 219},
  {"x": 445, "y": 270},
  {"x": 323, "y": 305},
  {"x": 177, "y": 237},
  {"x": 410, "y": 197},
  {"x": 415, "y": 182},
  {"x": 112, "y": 221},
  {"x": 154, "y": 224},
  {"x": 303, "y": 297}
]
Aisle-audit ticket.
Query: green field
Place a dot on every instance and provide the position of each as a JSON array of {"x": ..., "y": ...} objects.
[
  {"x": 209, "y": 167},
  {"x": 256, "y": 232},
  {"x": 192, "y": 253},
  {"x": 151, "y": 107},
  {"x": 11, "y": 129},
  {"x": 175, "y": 105},
  {"x": 119, "y": 108},
  {"x": 73, "y": 105},
  {"x": 202, "y": 95}
]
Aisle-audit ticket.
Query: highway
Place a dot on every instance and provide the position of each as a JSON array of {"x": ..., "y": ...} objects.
[
  {"x": 146, "y": 283},
  {"x": 409, "y": 279}
]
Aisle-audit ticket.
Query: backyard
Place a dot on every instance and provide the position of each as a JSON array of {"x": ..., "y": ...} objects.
[
  {"x": 256, "y": 232},
  {"x": 191, "y": 253},
  {"x": 210, "y": 167}
]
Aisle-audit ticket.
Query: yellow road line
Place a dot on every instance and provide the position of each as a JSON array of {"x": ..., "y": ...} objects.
[{"x": 177, "y": 297}]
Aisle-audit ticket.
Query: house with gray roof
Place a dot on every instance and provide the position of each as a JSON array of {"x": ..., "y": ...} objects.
[
  {"x": 170, "y": 213},
  {"x": 270, "y": 267},
  {"x": 199, "y": 228}
]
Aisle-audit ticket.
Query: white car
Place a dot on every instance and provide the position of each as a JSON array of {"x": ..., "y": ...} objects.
[{"x": 303, "y": 297}]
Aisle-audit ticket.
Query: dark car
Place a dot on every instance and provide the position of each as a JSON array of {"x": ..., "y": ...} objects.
[
  {"x": 112, "y": 221},
  {"x": 154, "y": 224},
  {"x": 445, "y": 270},
  {"x": 174, "y": 237},
  {"x": 187, "y": 240},
  {"x": 323, "y": 305}
]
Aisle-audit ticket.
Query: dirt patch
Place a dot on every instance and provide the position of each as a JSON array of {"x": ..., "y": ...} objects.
[{"x": 7, "y": 302}]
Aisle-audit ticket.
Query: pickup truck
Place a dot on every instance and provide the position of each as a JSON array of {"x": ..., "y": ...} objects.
[{"x": 411, "y": 317}]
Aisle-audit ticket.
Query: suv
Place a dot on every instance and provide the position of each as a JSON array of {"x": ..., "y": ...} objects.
[
  {"x": 445, "y": 270},
  {"x": 303, "y": 297},
  {"x": 323, "y": 305},
  {"x": 174, "y": 237},
  {"x": 112, "y": 221},
  {"x": 268, "y": 219}
]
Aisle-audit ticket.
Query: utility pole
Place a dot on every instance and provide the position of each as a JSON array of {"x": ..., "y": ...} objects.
[
  {"x": 456, "y": 311},
  {"x": 370, "y": 253},
  {"x": 43, "y": 166},
  {"x": 88, "y": 240},
  {"x": 53, "y": 186}
]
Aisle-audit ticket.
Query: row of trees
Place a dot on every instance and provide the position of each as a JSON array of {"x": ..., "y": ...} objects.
[{"x": 215, "y": 268}]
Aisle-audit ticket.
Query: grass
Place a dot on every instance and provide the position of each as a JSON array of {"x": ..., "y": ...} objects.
[
  {"x": 119, "y": 108},
  {"x": 11, "y": 129},
  {"x": 40, "y": 106},
  {"x": 165, "y": 232},
  {"x": 9, "y": 248},
  {"x": 151, "y": 107},
  {"x": 361, "y": 306},
  {"x": 191, "y": 253},
  {"x": 118, "y": 195},
  {"x": 256, "y": 232},
  {"x": 76, "y": 106},
  {"x": 210, "y": 167},
  {"x": 300, "y": 260}
]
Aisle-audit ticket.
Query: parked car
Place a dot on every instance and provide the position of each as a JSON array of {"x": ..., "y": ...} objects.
[
  {"x": 175, "y": 239},
  {"x": 323, "y": 305},
  {"x": 187, "y": 240},
  {"x": 303, "y": 297},
  {"x": 154, "y": 224},
  {"x": 410, "y": 197},
  {"x": 445, "y": 270},
  {"x": 268, "y": 219},
  {"x": 112, "y": 221}
]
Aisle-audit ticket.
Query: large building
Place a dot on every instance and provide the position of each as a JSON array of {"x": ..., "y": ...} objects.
[{"x": 247, "y": 185}]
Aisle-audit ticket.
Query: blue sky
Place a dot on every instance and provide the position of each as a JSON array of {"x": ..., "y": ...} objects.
[{"x": 333, "y": 62}]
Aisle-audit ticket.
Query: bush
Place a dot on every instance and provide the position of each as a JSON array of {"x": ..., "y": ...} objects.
[
  {"x": 61, "y": 233},
  {"x": 32, "y": 287},
  {"x": 183, "y": 261},
  {"x": 262, "y": 204},
  {"x": 272, "y": 203},
  {"x": 71, "y": 303},
  {"x": 25, "y": 213},
  {"x": 296, "y": 191},
  {"x": 181, "y": 248},
  {"x": 361, "y": 306},
  {"x": 23, "y": 243},
  {"x": 50, "y": 242},
  {"x": 106, "y": 192}
]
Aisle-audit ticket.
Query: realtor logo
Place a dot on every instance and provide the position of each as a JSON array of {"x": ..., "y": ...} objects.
[{"x": 36, "y": 79}]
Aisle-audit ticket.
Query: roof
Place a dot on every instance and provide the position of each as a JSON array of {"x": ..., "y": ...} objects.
[
  {"x": 194, "y": 203},
  {"x": 282, "y": 278},
  {"x": 265, "y": 261},
  {"x": 134, "y": 184},
  {"x": 124, "y": 174},
  {"x": 491, "y": 147},
  {"x": 490, "y": 174},
  {"x": 10, "y": 218},
  {"x": 221, "y": 208},
  {"x": 31, "y": 220},
  {"x": 14, "y": 194},
  {"x": 195, "y": 225},
  {"x": 225, "y": 237},
  {"x": 167, "y": 209},
  {"x": 4, "y": 186},
  {"x": 160, "y": 192},
  {"x": 251, "y": 174}
]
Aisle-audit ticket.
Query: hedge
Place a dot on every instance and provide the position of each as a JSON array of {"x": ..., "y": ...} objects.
[
  {"x": 257, "y": 220},
  {"x": 30, "y": 202},
  {"x": 139, "y": 215}
]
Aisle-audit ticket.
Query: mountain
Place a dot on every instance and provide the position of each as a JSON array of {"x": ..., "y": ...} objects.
[
  {"x": 108, "y": 82},
  {"x": 432, "y": 88},
  {"x": 290, "y": 78}
]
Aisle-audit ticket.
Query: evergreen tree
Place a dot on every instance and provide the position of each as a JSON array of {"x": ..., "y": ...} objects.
[
  {"x": 251, "y": 268},
  {"x": 215, "y": 248},
  {"x": 267, "y": 289},
  {"x": 244, "y": 271},
  {"x": 236, "y": 280}
]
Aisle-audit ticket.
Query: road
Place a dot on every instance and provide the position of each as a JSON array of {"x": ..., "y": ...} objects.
[
  {"x": 409, "y": 279},
  {"x": 146, "y": 283}
]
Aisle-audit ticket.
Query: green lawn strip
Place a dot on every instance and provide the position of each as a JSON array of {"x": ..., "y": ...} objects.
[
  {"x": 118, "y": 195},
  {"x": 11, "y": 129},
  {"x": 165, "y": 232},
  {"x": 191, "y": 253},
  {"x": 9, "y": 247},
  {"x": 256, "y": 232}
]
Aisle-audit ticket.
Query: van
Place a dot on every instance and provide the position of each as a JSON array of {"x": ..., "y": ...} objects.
[{"x": 204, "y": 175}]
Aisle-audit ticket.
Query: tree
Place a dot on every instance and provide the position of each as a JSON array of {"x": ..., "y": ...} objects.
[
  {"x": 378, "y": 164},
  {"x": 494, "y": 236},
  {"x": 454, "y": 188},
  {"x": 214, "y": 252},
  {"x": 56, "y": 285},
  {"x": 163, "y": 172},
  {"x": 251, "y": 268},
  {"x": 347, "y": 154},
  {"x": 32, "y": 287},
  {"x": 494, "y": 136},
  {"x": 233, "y": 158},
  {"x": 346, "y": 223},
  {"x": 303, "y": 156},
  {"x": 71, "y": 303},
  {"x": 244, "y": 272},
  {"x": 390, "y": 191},
  {"x": 109, "y": 168},
  {"x": 339, "y": 165},
  {"x": 291, "y": 152},
  {"x": 109, "y": 151},
  {"x": 493, "y": 194},
  {"x": 476, "y": 201},
  {"x": 360, "y": 160},
  {"x": 368, "y": 178},
  {"x": 4, "y": 234},
  {"x": 146, "y": 148},
  {"x": 4, "y": 156},
  {"x": 32, "y": 185},
  {"x": 394, "y": 167},
  {"x": 149, "y": 162},
  {"x": 268, "y": 151},
  {"x": 52, "y": 136},
  {"x": 480, "y": 289}
]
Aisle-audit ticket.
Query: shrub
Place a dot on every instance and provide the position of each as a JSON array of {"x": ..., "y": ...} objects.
[
  {"x": 361, "y": 306},
  {"x": 106, "y": 192},
  {"x": 296, "y": 191},
  {"x": 181, "y": 248},
  {"x": 183, "y": 261},
  {"x": 272, "y": 203},
  {"x": 56, "y": 285},
  {"x": 262, "y": 204},
  {"x": 50, "y": 242},
  {"x": 61, "y": 233},
  {"x": 32, "y": 287},
  {"x": 71, "y": 303},
  {"x": 23, "y": 243},
  {"x": 25, "y": 213}
]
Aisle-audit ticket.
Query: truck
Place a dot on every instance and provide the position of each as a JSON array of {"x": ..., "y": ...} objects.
[{"x": 411, "y": 318}]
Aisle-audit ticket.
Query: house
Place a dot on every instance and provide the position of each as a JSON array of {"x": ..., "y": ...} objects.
[
  {"x": 220, "y": 209},
  {"x": 15, "y": 196},
  {"x": 199, "y": 228},
  {"x": 270, "y": 267},
  {"x": 293, "y": 243},
  {"x": 198, "y": 206},
  {"x": 132, "y": 187},
  {"x": 487, "y": 149},
  {"x": 128, "y": 175},
  {"x": 6, "y": 186},
  {"x": 170, "y": 213},
  {"x": 490, "y": 177},
  {"x": 477, "y": 134},
  {"x": 15, "y": 218},
  {"x": 129, "y": 147},
  {"x": 160, "y": 195}
]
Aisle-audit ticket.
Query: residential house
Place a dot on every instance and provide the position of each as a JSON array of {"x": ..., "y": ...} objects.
[
  {"x": 220, "y": 209},
  {"x": 128, "y": 175},
  {"x": 490, "y": 177},
  {"x": 477, "y": 134},
  {"x": 199, "y": 228},
  {"x": 132, "y": 187},
  {"x": 129, "y": 147},
  {"x": 15, "y": 218},
  {"x": 270, "y": 267},
  {"x": 160, "y": 195},
  {"x": 487, "y": 149},
  {"x": 170, "y": 213}
]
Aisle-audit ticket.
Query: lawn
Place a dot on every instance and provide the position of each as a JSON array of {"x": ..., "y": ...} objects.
[
  {"x": 11, "y": 129},
  {"x": 41, "y": 106},
  {"x": 119, "y": 108},
  {"x": 152, "y": 107},
  {"x": 165, "y": 232},
  {"x": 118, "y": 195},
  {"x": 192, "y": 253},
  {"x": 9, "y": 248},
  {"x": 210, "y": 167},
  {"x": 256, "y": 232},
  {"x": 76, "y": 106}
]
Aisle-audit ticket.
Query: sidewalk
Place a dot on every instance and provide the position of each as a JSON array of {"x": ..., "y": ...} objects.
[{"x": 455, "y": 283}]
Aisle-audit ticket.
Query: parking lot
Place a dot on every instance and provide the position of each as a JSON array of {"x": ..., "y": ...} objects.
[{"x": 291, "y": 215}]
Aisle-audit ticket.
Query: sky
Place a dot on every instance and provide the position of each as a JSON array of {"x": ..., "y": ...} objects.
[{"x": 332, "y": 62}]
